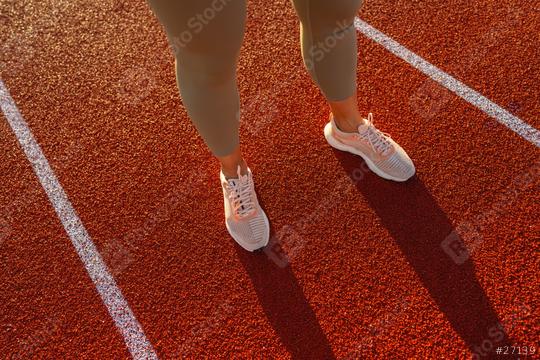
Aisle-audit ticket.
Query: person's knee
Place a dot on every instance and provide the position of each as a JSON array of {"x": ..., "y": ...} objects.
[
  {"x": 333, "y": 16},
  {"x": 204, "y": 70},
  {"x": 343, "y": 9}
]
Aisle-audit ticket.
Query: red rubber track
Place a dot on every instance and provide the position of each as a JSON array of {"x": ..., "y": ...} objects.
[
  {"x": 48, "y": 304},
  {"x": 489, "y": 45},
  {"x": 367, "y": 275}
]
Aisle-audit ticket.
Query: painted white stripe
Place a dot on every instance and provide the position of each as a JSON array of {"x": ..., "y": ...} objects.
[
  {"x": 504, "y": 117},
  {"x": 131, "y": 330}
]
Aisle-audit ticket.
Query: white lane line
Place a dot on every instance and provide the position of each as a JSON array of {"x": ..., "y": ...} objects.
[
  {"x": 131, "y": 330},
  {"x": 504, "y": 117}
]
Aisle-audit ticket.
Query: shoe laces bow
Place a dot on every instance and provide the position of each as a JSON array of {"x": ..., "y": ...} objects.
[
  {"x": 240, "y": 192},
  {"x": 378, "y": 140}
]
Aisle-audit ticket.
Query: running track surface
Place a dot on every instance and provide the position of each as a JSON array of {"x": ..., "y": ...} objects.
[{"x": 366, "y": 273}]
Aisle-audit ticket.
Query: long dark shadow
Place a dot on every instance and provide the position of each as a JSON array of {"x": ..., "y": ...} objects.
[
  {"x": 284, "y": 303},
  {"x": 425, "y": 236}
]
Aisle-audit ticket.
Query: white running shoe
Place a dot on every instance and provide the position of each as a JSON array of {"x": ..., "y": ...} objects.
[
  {"x": 382, "y": 154},
  {"x": 244, "y": 218}
]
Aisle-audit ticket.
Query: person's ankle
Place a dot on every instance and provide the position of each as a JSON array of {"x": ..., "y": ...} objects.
[
  {"x": 231, "y": 172},
  {"x": 348, "y": 124}
]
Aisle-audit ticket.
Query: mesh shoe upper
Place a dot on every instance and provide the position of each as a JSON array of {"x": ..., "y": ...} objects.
[
  {"x": 246, "y": 221},
  {"x": 381, "y": 152}
]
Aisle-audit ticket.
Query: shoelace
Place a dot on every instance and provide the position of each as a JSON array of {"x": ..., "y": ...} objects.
[
  {"x": 378, "y": 140},
  {"x": 240, "y": 195}
]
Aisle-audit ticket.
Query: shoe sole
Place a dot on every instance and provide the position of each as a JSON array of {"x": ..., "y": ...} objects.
[
  {"x": 340, "y": 146},
  {"x": 252, "y": 247}
]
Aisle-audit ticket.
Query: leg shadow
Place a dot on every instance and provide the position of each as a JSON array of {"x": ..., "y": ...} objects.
[
  {"x": 435, "y": 251},
  {"x": 284, "y": 302}
]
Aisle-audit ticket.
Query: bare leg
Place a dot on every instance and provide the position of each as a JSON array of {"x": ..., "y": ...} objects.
[
  {"x": 346, "y": 114},
  {"x": 329, "y": 50},
  {"x": 230, "y": 163},
  {"x": 206, "y": 36}
]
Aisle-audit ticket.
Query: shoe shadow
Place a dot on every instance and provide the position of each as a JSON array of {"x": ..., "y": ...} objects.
[
  {"x": 435, "y": 251},
  {"x": 284, "y": 302}
]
